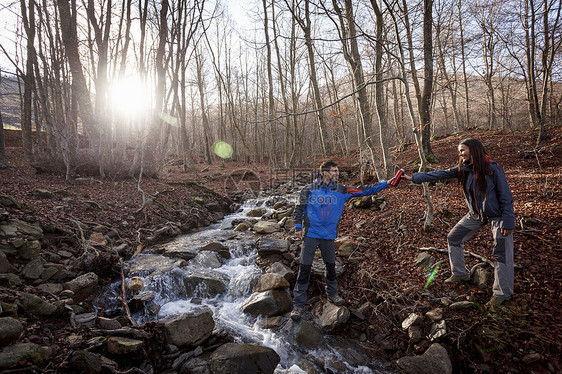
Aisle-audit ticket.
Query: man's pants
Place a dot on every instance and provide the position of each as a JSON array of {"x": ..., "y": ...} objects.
[
  {"x": 328, "y": 250},
  {"x": 503, "y": 251}
]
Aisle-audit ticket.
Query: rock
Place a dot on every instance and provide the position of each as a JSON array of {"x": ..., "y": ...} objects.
[
  {"x": 36, "y": 305},
  {"x": 332, "y": 317},
  {"x": 97, "y": 239},
  {"x": 28, "y": 229},
  {"x": 49, "y": 272},
  {"x": 462, "y": 305},
  {"x": 256, "y": 212},
  {"x": 204, "y": 282},
  {"x": 346, "y": 247},
  {"x": 236, "y": 358},
  {"x": 54, "y": 288},
  {"x": 412, "y": 319},
  {"x": 135, "y": 284},
  {"x": 424, "y": 259},
  {"x": 531, "y": 357},
  {"x": 218, "y": 248},
  {"x": 12, "y": 279},
  {"x": 10, "y": 330},
  {"x": 141, "y": 301},
  {"x": 269, "y": 303},
  {"x": 9, "y": 201},
  {"x": 207, "y": 259},
  {"x": 83, "y": 286},
  {"x": 242, "y": 226},
  {"x": 8, "y": 310},
  {"x": 434, "y": 360},
  {"x": 85, "y": 362},
  {"x": 438, "y": 329},
  {"x": 282, "y": 270},
  {"x": 270, "y": 281},
  {"x": 266, "y": 227},
  {"x": 5, "y": 266},
  {"x": 23, "y": 353},
  {"x": 190, "y": 330},
  {"x": 43, "y": 194},
  {"x": 435, "y": 314},
  {"x": 273, "y": 322},
  {"x": 196, "y": 365},
  {"x": 108, "y": 323},
  {"x": 481, "y": 277},
  {"x": 414, "y": 333},
  {"x": 268, "y": 246},
  {"x": 33, "y": 269},
  {"x": 306, "y": 334},
  {"x": 86, "y": 319},
  {"x": 29, "y": 250},
  {"x": 117, "y": 345}
]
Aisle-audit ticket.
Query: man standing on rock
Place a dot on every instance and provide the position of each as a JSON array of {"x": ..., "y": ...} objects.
[{"x": 317, "y": 215}]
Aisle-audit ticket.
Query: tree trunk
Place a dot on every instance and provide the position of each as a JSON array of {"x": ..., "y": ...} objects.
[{"x": 28, "y": 79}]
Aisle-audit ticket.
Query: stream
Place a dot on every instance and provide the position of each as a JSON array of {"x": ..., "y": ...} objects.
[{"x": 223, "y": 286}]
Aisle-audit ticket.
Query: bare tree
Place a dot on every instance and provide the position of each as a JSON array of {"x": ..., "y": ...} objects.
[
  {"x": 28, "y": 17},
  {"x": 305, "y": 23}
]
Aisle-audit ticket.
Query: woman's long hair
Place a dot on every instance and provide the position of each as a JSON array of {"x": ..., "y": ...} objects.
[{"x": 480, "y": 164}]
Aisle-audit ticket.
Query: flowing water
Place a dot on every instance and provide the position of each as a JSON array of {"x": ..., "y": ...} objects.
[{"x": 166, "y": 295}]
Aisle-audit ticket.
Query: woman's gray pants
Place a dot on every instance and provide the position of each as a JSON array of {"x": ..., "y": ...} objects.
[
  {"x": 328, "y": 250},
  {"x": 503, "y": 251}
]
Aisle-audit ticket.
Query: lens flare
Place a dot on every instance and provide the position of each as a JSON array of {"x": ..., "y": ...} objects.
[
  {"x": 433, "y": 274},
  {"x": 222, "y": 149}
]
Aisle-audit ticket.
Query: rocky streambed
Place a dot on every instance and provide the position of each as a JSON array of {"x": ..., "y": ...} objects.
[{"x": 213, "y": 301}]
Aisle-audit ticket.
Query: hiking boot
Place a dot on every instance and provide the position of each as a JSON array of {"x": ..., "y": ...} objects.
[
  {"x": 297, "y": 312},
  {"x": 496, "y": 301},
  {"x": 457, "y": 279},
  {"x": 336, "y": 300}
]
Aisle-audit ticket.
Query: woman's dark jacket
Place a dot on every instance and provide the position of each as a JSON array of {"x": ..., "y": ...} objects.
[{"x": 498, "y": 202}]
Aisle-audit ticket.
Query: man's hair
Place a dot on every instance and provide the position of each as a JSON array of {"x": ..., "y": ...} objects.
[{"x": 326, "y": 166}]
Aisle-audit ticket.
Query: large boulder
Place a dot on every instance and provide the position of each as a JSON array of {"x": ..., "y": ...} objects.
[
  {"x": 23, "y": 353},
  {"x": 83, "y": 286},
  {"x": 117, "y": 345},
  {"x": 207, "y": 260},
  {"x": 332, "y": 317},
  {"x": 233, "y": 358},
  {"x": 268, "y": 246},
  {"x": 190, "y": 330},
  {"x": 266, "y": 227},
  {"x": 283, "y": 270},
  {"x": 434, "y": 360},
  {"x": 37, "y": 305},
  {"x": 204, "y": 282},
  {"x": 270, "y": 281},
  {"x": 305, "y": 333},
  {"x": 218, "y": 248},
  {"x": 269, "y": 303},
  {"x": 10, "y": 330}
]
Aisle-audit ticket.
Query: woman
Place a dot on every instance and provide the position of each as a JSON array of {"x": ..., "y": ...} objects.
[{"x": 489, "y": 200}]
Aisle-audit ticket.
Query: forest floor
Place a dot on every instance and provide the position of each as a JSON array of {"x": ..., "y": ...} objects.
[{"x": 524, "y": 336}]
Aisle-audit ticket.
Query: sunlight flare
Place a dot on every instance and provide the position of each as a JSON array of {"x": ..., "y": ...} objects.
[{"x": 130, "y": 97}]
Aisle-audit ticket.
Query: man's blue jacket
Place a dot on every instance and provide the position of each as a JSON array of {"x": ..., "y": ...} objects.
[{"x": 320, "y": 206}]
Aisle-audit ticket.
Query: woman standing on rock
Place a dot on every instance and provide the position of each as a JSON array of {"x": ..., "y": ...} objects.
[{"x": 489, "y": 200}]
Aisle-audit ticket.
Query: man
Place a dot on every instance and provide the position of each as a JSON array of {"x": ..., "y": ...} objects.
[{"x": 317, "y": 215}]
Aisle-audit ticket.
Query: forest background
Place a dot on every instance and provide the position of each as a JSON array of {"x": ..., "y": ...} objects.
[{"x": 114, "y": 87}]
